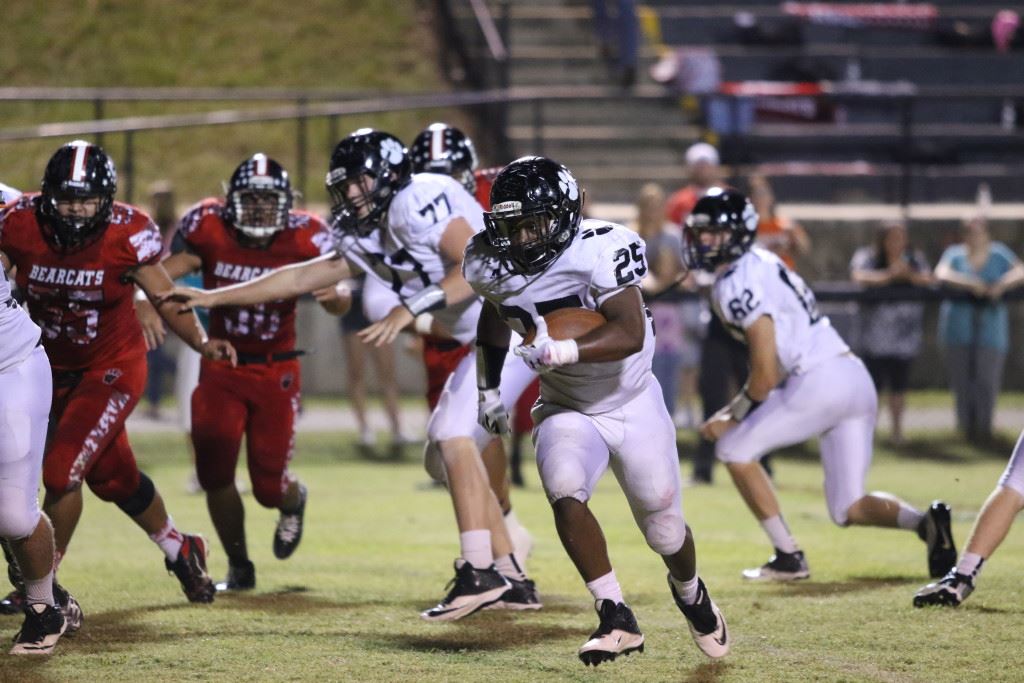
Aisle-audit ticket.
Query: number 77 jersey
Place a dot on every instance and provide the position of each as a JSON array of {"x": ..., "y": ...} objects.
[
  {"x": 759, "y": 284},
  {"x": 602, "y": 260}
]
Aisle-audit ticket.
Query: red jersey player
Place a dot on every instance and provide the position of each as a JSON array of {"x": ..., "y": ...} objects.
[
  {"x": 235, "y": 240},
  {"x": 79, "y": 255}
]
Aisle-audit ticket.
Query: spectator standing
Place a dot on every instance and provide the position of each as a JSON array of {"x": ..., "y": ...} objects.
[
  {"x": 891, "y": 331},
  {"x": 777, "y": 234},
  {"x": 618, "y": 38},
  {"x": 675, "y": 351},
  {"x": 975, "y": 333},
  {"x": 702, "y": 171}
]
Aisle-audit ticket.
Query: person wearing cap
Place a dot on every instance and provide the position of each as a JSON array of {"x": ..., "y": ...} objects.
[{"x": 703, "y": 171}]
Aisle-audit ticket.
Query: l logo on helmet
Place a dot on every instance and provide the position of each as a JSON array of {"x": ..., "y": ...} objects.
[{"x": 567, "y": 184}]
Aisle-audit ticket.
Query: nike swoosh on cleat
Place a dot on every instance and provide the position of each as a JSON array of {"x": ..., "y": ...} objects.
[{"x": 725, "y": 636}]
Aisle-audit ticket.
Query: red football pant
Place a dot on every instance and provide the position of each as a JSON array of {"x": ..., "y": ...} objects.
[
  {"x": 88, "y": 442},
  {"x": 260, "y": 401},
  {"x": 441, "y": 357}
]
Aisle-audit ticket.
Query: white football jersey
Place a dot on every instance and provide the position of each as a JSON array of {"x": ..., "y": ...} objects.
[
  {"x": 758, "y": 284},
  {"x": 601, "y": 261},
  {"x": 417, "y": 218},
  {"x": 18, "y": 334},
  {"x": 8, "y": 194}
]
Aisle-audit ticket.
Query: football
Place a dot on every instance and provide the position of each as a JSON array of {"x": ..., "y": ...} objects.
[{"x": 569, "y": 323}]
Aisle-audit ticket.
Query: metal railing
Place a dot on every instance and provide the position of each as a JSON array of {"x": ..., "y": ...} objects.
[{"x": 312, "y": 104}]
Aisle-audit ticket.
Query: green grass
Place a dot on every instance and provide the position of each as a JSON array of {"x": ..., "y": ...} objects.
[
  {"x": 378, "y": 47},
  {"x": 378, "y": 548}
]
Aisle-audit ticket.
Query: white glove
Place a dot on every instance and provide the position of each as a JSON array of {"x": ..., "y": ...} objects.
[
  {"x": 545, "y": 354},
  {"x": 491, "y": 413}
]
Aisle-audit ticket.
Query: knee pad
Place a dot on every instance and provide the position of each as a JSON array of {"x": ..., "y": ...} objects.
[
  {"x": 135, "y": 504},
  {"x": 267, "y": 490},
  {"x": 433, "y": 463},
  {"x": 19, "y": 516},
  {"x": 665, "y": 532},
  {"x": 840, "y": 513}
]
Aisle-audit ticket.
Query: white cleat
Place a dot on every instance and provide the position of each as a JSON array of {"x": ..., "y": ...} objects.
[
  {"x": 706, "y": 622},
  {"x": 617, "y": 634},
  {"x": 780, "y": 567}
]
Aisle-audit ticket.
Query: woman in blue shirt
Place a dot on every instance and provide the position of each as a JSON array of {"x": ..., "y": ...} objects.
[{"x": 975, "y": 333}]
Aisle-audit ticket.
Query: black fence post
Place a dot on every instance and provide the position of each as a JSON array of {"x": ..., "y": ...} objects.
[
  {"x": 129, "y": 166},
  {"x": 97, "y": 114},
  {"x": 300, "y": 155}
]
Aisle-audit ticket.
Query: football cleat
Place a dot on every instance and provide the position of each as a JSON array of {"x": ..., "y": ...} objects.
[
  {"x": 241, "y": 577},
  {"x": 42, "y": 628},
  {"x": 13, "y": 603},
  {"x": 617, "y": 634},
  {"x": 522, "y": 595},
  {"x": 190, "y": 568},
  {"x": 707, "y": 625},
  {"x": 69, "y": 607},
  {"x": 949, "y": 591},
  {"x": 471, "y": 589},
  {"x": 780, "y": 567},
  {"x": 289, "y": 528},
  {"x": 936, "y": 531}
]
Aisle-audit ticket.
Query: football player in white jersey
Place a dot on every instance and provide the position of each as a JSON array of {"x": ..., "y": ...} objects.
[
  {"x": 990, "y": 528},
  {"x": 25, "y": 394},
  {"x": 804, "y": 382},
  {"x": 410, "y": 231},
  {"x": 600, "y": 405}
]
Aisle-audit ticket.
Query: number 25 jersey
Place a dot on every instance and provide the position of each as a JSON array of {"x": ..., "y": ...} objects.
[
  {"x": 758, "y": 284},
  {"x": 602, "y": 260},
  {"x": 82, "y": 300}
]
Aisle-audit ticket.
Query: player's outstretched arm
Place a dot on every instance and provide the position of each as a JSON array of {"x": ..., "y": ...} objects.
[
  {"x": 286, "y": 282},
  {"x": 492, "y": 339},
  {"x": 153, "y": 329},
  {"x": 154, "y": 278}
]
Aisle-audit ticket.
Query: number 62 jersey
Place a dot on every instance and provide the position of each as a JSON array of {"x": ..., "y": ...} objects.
[
  {"x": 602, "y": 260},
  {"x": 759, "y": 284}
]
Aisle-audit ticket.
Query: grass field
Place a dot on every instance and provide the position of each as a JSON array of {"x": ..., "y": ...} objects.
[{"x": 379, "y": 545}]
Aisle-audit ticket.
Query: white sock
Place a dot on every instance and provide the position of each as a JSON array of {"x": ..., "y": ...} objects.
[
  {"x": 779, "y": 534},
  {"x": 908, "y": 517},
  {"x": 970, "y": 565},
  {"x": 687, "y": 590},
  {"x": 169, "y": 539},
  {"x": 40, "y": 591},
  {"x": 476, "y": 547},
  {"x": 506, "y": 566},
  {"x": 606, "y": 588}
]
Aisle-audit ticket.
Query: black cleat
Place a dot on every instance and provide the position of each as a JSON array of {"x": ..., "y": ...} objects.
[
  {"x": 190, "y": 568},
  {"x": 707, "y": 625},
  {"x": 69, "y": 607},
  {"x": 471, "y": 589},
  {"x": 522, "y": 595},
  {"x": 937, "y": 532},
  {"x": 617, "y": 634},
  {"x": 949, "y": 591},
  {"x": 13, "y": 602},
  {"x": 289, "y": 528},
  {"x": 780, "y": 567},
  {"x": 42, "y": 628},
  {"x": 241, "y": 577}
]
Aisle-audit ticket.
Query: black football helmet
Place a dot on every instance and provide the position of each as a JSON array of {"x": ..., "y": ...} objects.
[
  {"x": 367, "y": 169},
  {"x": 536, "y": 209},
  {"x": 259, "y": 197},
  {"x": 78, "y": 170},
  {"x": 719, "y": 211},
  {"x": 445, "y": 149}
]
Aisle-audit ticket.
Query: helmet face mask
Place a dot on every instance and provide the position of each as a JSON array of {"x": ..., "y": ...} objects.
[
  {"x": 77, "y": 196},
  {"x": 259, "y": 197},
  {"x": 367, "y": 169},
  {"x": 535, "y": 213},
  {"x": 720, "y": 229},
  {"x": 444, "y": 149}
]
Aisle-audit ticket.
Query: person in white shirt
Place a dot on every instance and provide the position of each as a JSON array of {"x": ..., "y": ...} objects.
[{"x": 804, "y": 382}]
